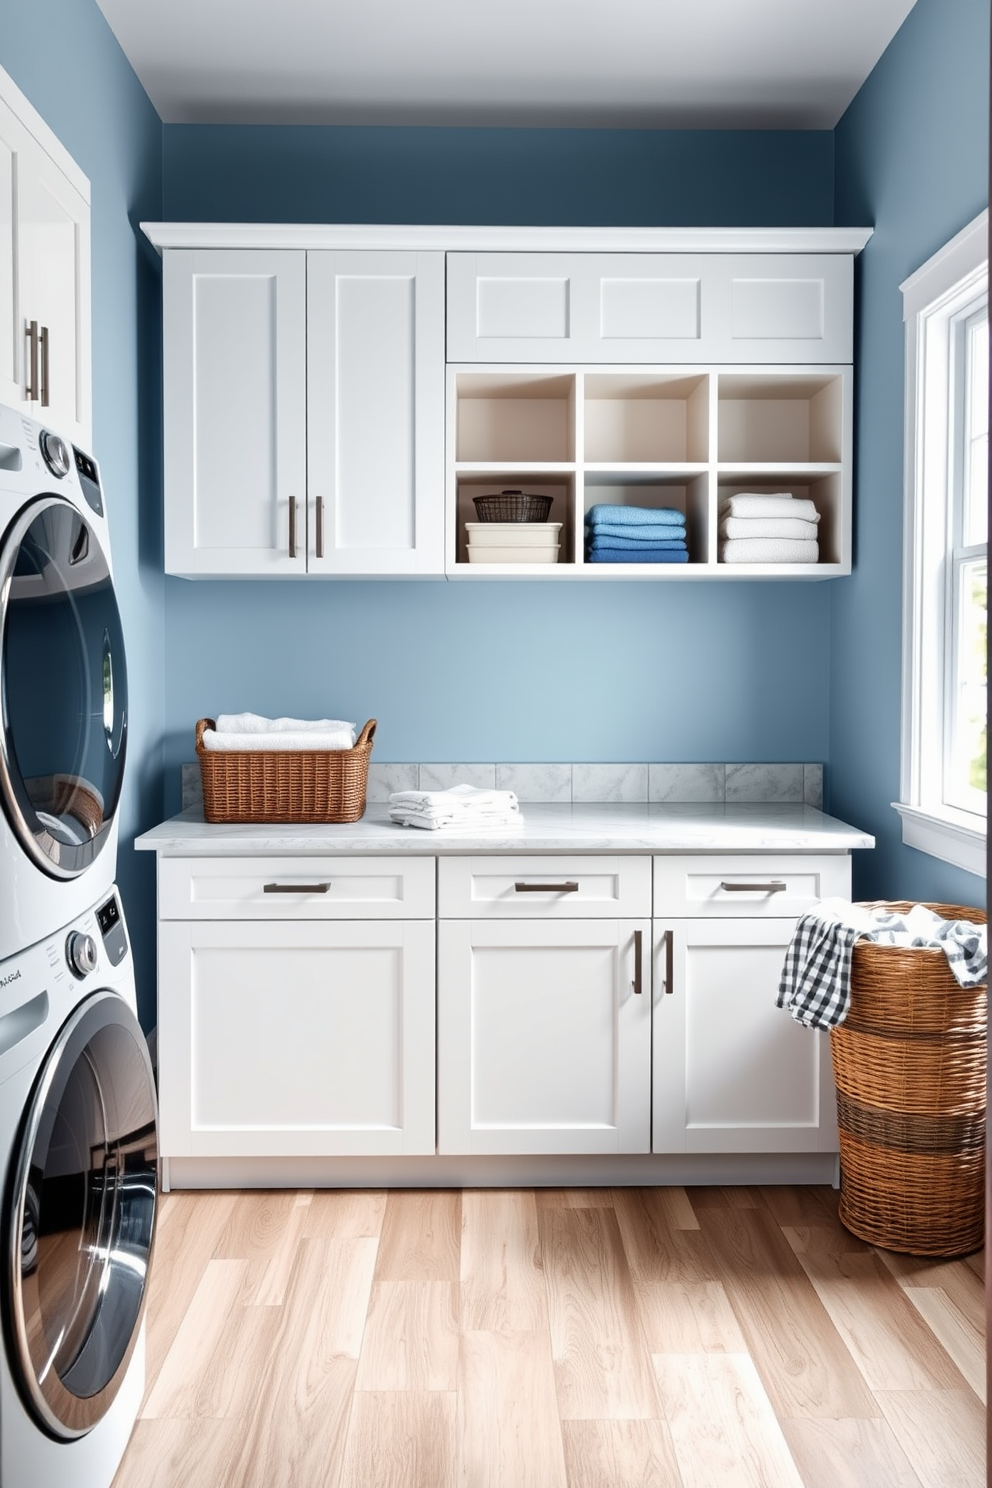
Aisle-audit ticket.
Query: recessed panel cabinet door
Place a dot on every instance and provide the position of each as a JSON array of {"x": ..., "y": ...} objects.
[
  {"x": 650, "y": 307},
  {"x": 732, "y": 1071},
  {"x": 375, "y": 412},
  {"x": 235, "y": 412},
  {"x": 44, "y": 285},
  {"x": 543, "y": 1036},
  {"x": 302, "y": 1039}
]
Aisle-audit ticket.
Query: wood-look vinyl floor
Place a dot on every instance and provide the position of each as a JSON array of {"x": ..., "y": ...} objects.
[{"x": 600, "y": 1338}]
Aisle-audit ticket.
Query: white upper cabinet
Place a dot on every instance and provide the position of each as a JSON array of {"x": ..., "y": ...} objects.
[
  {"x": 44, "y": 273},
  {"x": 235, "y": 419},
  {"x": 650, "y": 307},
  {"x": 304, "y": 397},
  {"x": 338, "y": 397},
  {"x": 375, "y": 412}
]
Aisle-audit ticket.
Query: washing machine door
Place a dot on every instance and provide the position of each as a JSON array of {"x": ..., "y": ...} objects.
[
  {"x": 63, "y": 687},
  {"x": 79, "y": 1218}
]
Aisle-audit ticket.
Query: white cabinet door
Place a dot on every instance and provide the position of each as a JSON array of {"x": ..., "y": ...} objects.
[
  {"x": 650, "y": 307},
  {"x": 302, "y": 1039},
  {"x": 375, "y": 412},
  {"x": 44, "y": 284},
  {"x": 732, "y": 1072},
  {"x": 235, "y": 412},
  {"x": 544, "y": 1041}
]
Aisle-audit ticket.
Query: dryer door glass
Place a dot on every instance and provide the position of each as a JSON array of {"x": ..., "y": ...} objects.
[
  {"x": 80, "y": 1217},
  {"x": 63, "y": 687}
]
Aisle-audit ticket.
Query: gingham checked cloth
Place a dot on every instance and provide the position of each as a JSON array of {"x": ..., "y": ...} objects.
[{"x": 816, "y": 977}]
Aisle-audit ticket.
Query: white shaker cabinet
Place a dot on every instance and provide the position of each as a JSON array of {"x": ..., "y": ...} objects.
[
  {"x": 544, "y": 1006},
  {"x": 732, "y": 1072},
  {"x": 44, "y": 273},
  {"x": 296, "y": 1014},
  {"x": 304, "y": 405},
  {"x": 650, "y": 307}
]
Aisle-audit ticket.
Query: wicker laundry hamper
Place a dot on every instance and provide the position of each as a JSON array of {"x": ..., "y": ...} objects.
[{"x": 909, "y": 1066}]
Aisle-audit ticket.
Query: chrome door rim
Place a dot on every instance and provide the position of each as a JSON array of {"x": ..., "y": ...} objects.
[
  {"x": 64, "y": 1415},
  {"x": 13, "y": 539}
]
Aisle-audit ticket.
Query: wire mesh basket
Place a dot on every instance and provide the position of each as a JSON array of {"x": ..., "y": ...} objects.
[{"x": 512, "y": 506}]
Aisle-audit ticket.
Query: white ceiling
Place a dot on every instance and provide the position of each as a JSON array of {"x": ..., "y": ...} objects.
[{"x": 727, "y": 64}]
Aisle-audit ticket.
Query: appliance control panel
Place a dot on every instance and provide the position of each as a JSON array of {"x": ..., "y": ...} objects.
[{"x": 108, "y": 917}]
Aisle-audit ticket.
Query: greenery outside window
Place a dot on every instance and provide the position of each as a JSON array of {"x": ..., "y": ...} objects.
[{"x": 943, "y": 784}]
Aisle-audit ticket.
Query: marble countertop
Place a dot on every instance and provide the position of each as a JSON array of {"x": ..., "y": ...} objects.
[{"x": 598, "y": 827}]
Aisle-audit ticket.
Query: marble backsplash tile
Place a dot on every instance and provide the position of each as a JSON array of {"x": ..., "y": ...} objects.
[{"x": 797, "y": 783}]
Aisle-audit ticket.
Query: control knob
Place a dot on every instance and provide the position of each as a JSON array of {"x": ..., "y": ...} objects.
[
  {"x": 80, "y": 952},
  {"x": 55, "y": 454}
]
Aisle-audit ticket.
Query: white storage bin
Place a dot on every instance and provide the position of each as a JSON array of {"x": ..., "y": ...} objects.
[
  {"x": 512, "y": 534},
  {"x": 545, "y": 553}
]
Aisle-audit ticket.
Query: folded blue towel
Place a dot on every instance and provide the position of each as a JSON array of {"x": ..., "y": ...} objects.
[
  {"x": 634, "y": 516},
  {"x": 628, "y": 537},
  {"x": 634, "y": 549},
  {"x": 675, "y": 553}
]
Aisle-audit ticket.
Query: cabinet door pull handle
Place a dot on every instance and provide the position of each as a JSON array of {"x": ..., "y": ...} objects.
[
  {"x": 776, "y": 886},
  {"x": 43, "y": 343},
  {"x": 559, "y": 888},
  {"x": 638, "y": 952},
  {"x": 31, "y": 381},
  {"x": 292, "y": 526},
  {"x": 320, "y": 527},
  {"x": 313, "y": 888},
  {"x": 669, "y": 961}
]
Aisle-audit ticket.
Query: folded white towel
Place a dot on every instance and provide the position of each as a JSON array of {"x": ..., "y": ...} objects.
[
  {"x": 768, "y": 527},
  {"x": 230, "y": 743},
  {"x": 461, "y": 806},
  {"x": 255, "y": 723},
  {"x": 756, "y": 504},
  {"x": 768, "y": 550}
]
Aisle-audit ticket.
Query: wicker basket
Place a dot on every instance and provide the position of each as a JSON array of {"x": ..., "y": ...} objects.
[
  {"x": 318, "y": 785},
  {"x": 909, "y": 1066}
]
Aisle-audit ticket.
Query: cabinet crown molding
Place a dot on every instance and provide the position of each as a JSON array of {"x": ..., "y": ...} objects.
[{"x": 495, "y": 239}]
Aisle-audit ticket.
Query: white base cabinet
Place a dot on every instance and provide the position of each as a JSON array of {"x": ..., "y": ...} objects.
[
  {"x": 296, "y": 1008},
  {"x": 571, "y": 1006},
  {"x": 733, "y": 1072},
  {"x": 544, "y": 1036}
]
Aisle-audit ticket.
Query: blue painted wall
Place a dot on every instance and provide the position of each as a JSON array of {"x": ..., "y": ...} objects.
[
  {"x": 912, "y": 158},
  {"x": 64, "y": 57},
  {"x": 637, "y": 177}
]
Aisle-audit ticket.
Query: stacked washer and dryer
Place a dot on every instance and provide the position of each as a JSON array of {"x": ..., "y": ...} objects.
[{"x": 78, "y": 1145}]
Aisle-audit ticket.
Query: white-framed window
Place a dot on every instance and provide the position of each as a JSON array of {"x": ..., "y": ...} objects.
[{"x": 943, "y": 780}]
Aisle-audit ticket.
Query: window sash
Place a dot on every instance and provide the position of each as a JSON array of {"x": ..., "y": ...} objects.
[{"x": 944, "y": 303}]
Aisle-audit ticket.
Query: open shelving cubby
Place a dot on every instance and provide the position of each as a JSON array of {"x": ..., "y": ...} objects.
[{"x": 682, "y": 437}]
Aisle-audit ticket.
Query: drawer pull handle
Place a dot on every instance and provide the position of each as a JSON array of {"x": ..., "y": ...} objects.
[
  {"x": 562, "y": 888},
  {"x": 292, "y": 526},
  {"x": 638, "y": 950},
  {"x": 314, "y": 888},
  {"x": 320, "y": 527},
  {"x": 775, "y": 887},
  {"x": 669, "y": 958}
]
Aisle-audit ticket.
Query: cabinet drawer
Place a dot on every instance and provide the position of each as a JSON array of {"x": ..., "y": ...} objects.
[
  {"x": 296, "y": 888},
  {"x": 749, "y": 886},
  {"x": 559, "y": 888}
]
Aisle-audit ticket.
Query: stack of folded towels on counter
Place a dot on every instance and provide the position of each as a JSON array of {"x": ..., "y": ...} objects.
[
  {"x": 467, "y": 806},
  {"x": 234, "y": 731},
  {"x": 635, "y": 534},
  {"x": 758, "y": 528}
]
